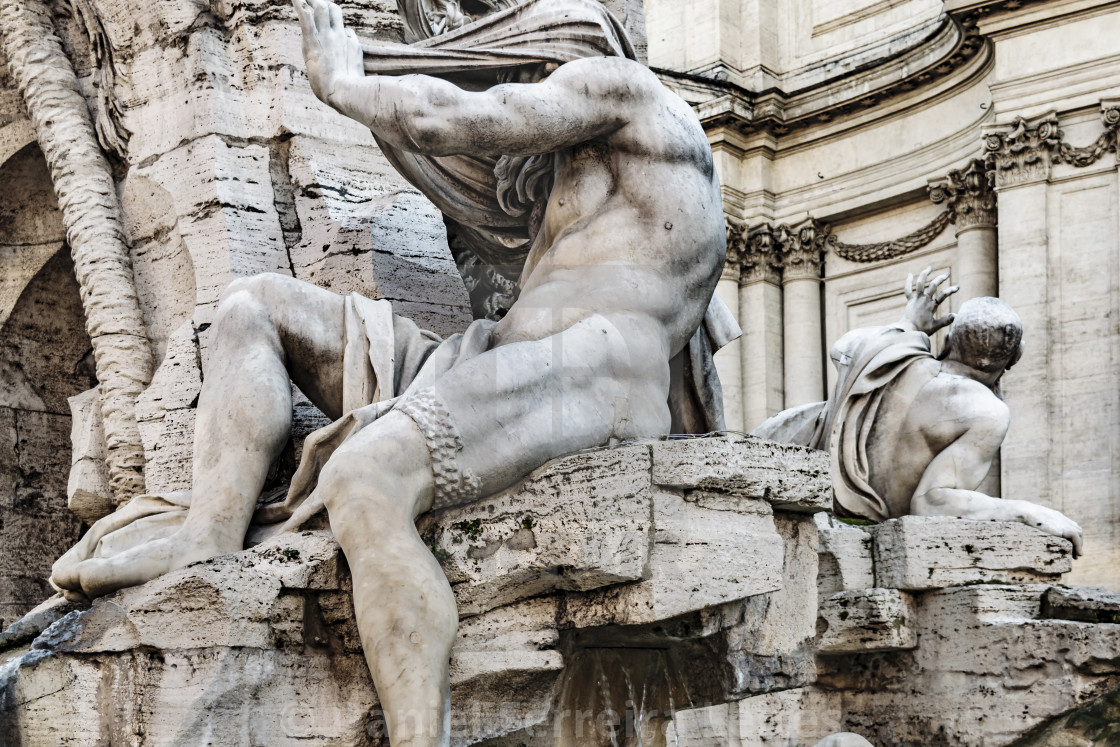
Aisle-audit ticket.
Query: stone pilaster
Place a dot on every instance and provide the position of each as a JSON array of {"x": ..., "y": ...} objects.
[
  {"x": 802, "y": 251},
  {"x": 760, "y": 316},
  {"x": 970, "y": 199},
  {"x": 728, "y": 360}
]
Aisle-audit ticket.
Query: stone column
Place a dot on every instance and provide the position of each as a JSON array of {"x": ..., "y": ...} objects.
[
  {"x": 971, "y": 201},
  {"x": 760, "y": 316},
  {"x": 802, "y": 250},
  {"x": 1019, "y": 158},
  {"x": 729, "y": 359}
]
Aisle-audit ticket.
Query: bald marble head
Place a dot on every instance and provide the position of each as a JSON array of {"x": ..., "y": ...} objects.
[{"x": 986, "y": 334}]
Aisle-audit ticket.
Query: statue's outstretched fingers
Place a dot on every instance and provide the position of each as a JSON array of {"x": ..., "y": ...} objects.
[
  {"x": 909, "y": 289},
  {"x": 321, "y": 13},
  {"x": 944, "y": 321},
  {"x": 922, "y": 279},
  {"x": 935, "y": 283},
  {"x": 303, "y": 14},
  {"x": 945, "y": 294},
  {"x": 335, "y": 14}
]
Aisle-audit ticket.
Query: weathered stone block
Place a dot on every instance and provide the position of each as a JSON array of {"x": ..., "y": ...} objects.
[
  {"x": 844, "y": 558},
  {"x": 708, "y": 549},
  {"x": 868, "y": 620},
  {"x": 770, "y": 639},
  {"x": 920, "y": 552},
  {"x": 1081, "y": 603},
  {"x": 792, "y": 478},
  {"x": 577, "y": 523},
  {"x": 790, "y": 718}
]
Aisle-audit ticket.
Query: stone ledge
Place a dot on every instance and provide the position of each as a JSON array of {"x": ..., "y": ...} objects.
[
  {"x": 791, "y": 478},
  {"x": 917, "y": 553}
]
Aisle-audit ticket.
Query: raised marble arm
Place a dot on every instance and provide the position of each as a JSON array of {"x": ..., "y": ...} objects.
[
  {"x": 580, "y": 101},
  {"x": 922, "y": 302}
]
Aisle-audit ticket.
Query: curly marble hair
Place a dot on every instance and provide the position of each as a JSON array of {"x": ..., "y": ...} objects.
[{"x": 986, "y": 334}]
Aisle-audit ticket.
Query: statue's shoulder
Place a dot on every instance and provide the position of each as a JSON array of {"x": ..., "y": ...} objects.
[{"x": 966, "y": 398}]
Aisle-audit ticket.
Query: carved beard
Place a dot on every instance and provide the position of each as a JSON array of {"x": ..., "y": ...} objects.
[{"x": 448, "y": 15}]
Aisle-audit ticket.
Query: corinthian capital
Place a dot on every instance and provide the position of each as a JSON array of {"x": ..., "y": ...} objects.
[
  {"x": 802, "y": 249},
  {"x": 968, "y": 195},
  {"x": 761, "y": 260},
  {"x": 1023, "y": 151},
  {"x": 736, "y": 246}
]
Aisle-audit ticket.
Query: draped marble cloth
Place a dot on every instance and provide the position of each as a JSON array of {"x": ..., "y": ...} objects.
[
  {"x": 387, "y": 355},
  {"x": 870, "y": 363}
]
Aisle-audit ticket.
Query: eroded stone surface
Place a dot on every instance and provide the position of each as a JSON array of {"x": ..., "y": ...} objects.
[
  {"x": 867, "y": 620},
  {"x": 578, "y": 523},
  {"x": 792, "y": 478},
  {"x": 845, "y": 556},
  {"x": 918, "y": 552}
]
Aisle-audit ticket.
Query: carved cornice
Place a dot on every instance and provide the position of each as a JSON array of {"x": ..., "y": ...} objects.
[
  {"x": 948, "y": 49},
  {"x": 802, "y": 249},
  {"x": 968, "y": 196},
  {"x": 1021, "y": 152}
]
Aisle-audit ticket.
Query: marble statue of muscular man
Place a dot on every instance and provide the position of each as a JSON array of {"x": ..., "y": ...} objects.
[
  {"x": 617, "y": 281},
  {"x": 913, "y": 433}
]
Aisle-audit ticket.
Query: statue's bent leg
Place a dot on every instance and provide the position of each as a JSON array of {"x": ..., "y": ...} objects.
[
  {"x": 487, "y": 422},
  {"x": 269, "y": 328}
]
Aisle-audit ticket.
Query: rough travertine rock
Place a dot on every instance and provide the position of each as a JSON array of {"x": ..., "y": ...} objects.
[
  {"x": 1080, "y": 603},
  {"x": 792, "y": 478},
  {"x": 87, "y": 489},
  {"x": 90, "y": 211},
  {"x": 918, "y": 552},
  {"x": 578, "y": 523},
  {"x": 791, "y": 718},
  {"x": 866, "y": 621},
  {"x": 845, "y": 556},
  {"x": 261, "y": 646},
  {"x": 707, "y": 550}
]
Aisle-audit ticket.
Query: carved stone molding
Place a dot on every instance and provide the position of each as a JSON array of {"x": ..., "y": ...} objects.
[
  {"x": 736, "y": 247},
  {"x": 968, "y": 196},
  {"x": 761, "y": 261},
  {"x": 802, "y": 249},
  {"x": 1106, "y": 143},
  {"x": 752, "y": 252},
  {"x": 1022, "y": 152},
  {"x": 881, "y": 250}
]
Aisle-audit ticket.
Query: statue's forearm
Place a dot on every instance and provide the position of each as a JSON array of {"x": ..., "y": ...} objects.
[
  {"x": 967, "y": 504},
  {"x": 414, "y": 113}
]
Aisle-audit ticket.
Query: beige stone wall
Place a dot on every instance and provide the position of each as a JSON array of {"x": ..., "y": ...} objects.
[{"x": 837, "y": 116}]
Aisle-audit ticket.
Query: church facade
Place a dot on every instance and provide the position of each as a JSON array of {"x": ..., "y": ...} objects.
[{"x": 858, "y": 141}]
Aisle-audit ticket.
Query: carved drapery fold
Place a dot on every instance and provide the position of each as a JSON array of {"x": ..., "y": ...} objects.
[{"x": 87, "y": 199}]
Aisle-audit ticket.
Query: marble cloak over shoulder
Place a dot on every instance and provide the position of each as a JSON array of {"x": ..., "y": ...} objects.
[{"x": 868, "y": 362}]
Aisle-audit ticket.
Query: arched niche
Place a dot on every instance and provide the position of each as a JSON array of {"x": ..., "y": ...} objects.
[{"x": 45, "y": 358}]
